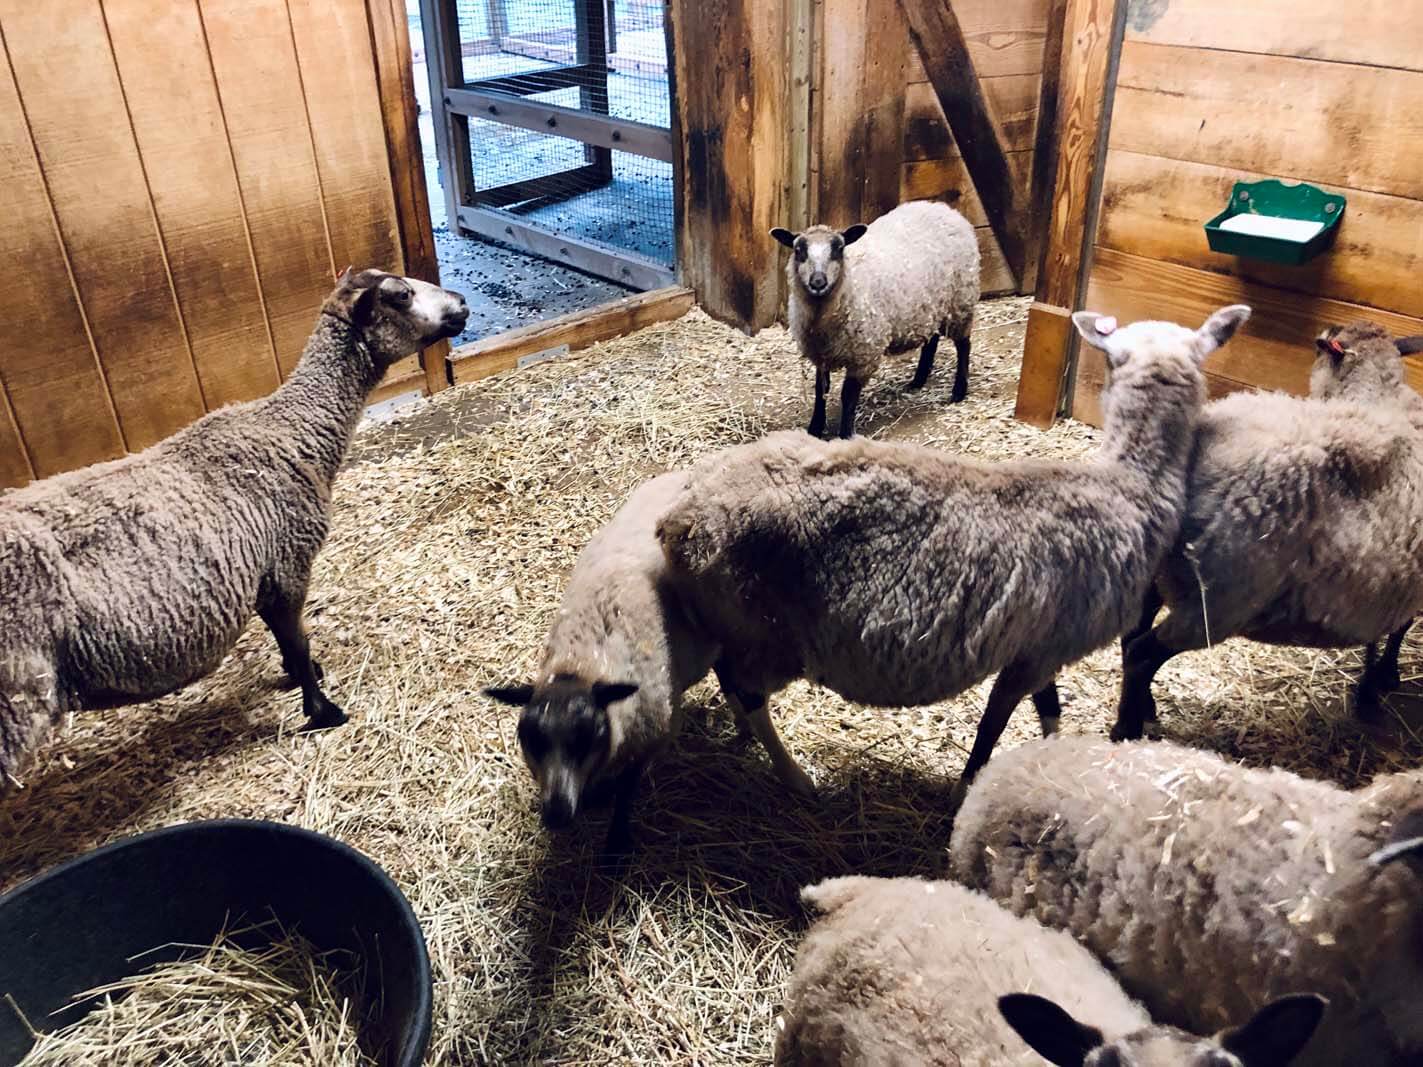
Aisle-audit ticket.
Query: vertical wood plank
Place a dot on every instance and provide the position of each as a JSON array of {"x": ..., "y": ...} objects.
[
  {"x": 445, "y": 63},
  {"x": 15, "y": 466},
  {"x": 390, "y": 34},
  {"x": 1089, "y": 37},
  {"x": 81, "y": 130},
  {"x": 258, "y": 82},
  {"x": 57, "y": 394},
  {"x": 1044, "y": 169},
  {"x": 844, "y": 44},
  {"x": 195, "y": 196},
  {"x": 882, "y": 91}
]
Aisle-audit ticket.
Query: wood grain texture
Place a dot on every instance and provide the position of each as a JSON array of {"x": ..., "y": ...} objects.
[
  {"x": 261, "y": 91},
  {"x": 1012, "y": 101},
  {"x": 937, "y": 35},
  {"x": 115, "y": 250},
  {"x": 1350, "y": 126},
  {"x": 1083, "y": 83},
  {"x": 195, "y": 195},
  {"x": 1155, "y": 208},
  {"x": 1274, "y": 350},
  {"x": 1005, "y": 37},
  {"x": 578, "y": 329},
  {"x": 732, "y": 98},
  {"x": 390, "y": 36},
  {"x": 57, "y": 394},
  {"x": 1370, "y": 32},
  {"x": 1044, "y": 158},
  {"x": 15, "y": 468},
  {"x": 948, "y": 180}
]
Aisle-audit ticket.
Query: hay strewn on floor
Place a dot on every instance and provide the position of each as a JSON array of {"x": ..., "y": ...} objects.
[
  {"x": 453, "y": 535},
  {"x": 223, "y": 1005}
]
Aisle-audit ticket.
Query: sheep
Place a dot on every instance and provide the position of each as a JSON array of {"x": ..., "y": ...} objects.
[
  {"x": 903, "y": 970},
  {"x": 1206, "y": 885},
  {"x": 900, "y": 575},
  {"x": 911, "y": 275},
  {"x": 1302, "y": 517},
  {"x": 619, "y": 656},
  {"x": 128, "y": 580}
]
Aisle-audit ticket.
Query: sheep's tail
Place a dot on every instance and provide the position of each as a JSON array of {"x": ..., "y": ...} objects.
[{"x": 834, "y": 893}]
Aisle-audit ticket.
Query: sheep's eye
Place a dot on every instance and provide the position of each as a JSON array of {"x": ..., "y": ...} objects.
[
  {"x": 801, "y": 252},
  {"x": 401, "y": 297}
]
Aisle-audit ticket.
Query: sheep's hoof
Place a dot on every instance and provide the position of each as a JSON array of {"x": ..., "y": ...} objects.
[
  {"x": 1367, "y": 705},
  {"x": 799, "y": 783},
  {"x": 1121, "y": 732},
  {"x": 959, "y": 393},
  {"x": 326, "y": 717},
  {"x": 816, "y": 430},
  {"x": 919, "y": 383}
]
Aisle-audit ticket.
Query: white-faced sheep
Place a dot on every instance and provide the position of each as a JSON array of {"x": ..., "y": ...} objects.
[
  {"x": 617, "y": 660},
  {"x": 882, "y": 289},
  {"x": 903, "y": 971},
  {"x": 130, "y": 579},
  {"x": 1207, "y": 886},
  {"x": 1303, "y": 516},
  {"x": 901, "y": 575}
]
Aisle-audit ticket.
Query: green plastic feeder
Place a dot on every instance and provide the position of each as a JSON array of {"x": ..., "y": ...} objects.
[{"x": 1279, "y": 223}]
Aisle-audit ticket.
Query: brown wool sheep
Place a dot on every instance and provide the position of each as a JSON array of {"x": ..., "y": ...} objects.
[
  {"x": 1303, "y": 516},
  {"x": 903, "y": 971},
  {"x": 900, "y": 575},
  {"x": 128, "y": 580},
  {"x": 1209, "y": 887},
  {"x": 897, "y": 284}
]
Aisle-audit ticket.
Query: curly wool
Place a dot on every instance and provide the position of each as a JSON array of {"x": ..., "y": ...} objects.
[
  {"x": 620, "y": 622},
  {"x": 903, "y": 970},
  {"x": 128, "y": 580},
  {"x": 1209, "y": 887},
  {"x": 913, "y": 274}
]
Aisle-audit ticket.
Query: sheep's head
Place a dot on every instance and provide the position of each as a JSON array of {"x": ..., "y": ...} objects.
[
  {"x": 396, "y": 316},
  {"x": 818, "y": 256},
  {"x": 1150, "y": 347},
  {"x": 1274, "y": 1036},
  {"x": 565, "y": 736},
  {"x": 1359, "y": 361}
]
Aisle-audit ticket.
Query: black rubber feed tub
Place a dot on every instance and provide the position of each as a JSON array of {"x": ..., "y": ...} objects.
[{"x": 77, "y": 926}]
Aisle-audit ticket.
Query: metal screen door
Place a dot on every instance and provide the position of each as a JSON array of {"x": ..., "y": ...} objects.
[{"x": 552, "y": 123}]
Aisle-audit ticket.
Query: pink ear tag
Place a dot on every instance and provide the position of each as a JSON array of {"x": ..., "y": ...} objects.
[{"x": 1106, "y": 325}]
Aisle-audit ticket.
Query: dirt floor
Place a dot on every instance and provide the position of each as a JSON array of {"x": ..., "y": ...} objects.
[{"x": 453, "y": 533}]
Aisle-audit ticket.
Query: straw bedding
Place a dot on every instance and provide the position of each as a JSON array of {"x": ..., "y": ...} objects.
[{"x": 453, "y": 532}]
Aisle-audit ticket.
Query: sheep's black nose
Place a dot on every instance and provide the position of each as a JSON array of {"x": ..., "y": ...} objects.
[
  {"x": 557, "y": 812},
  {"x": 817, "y": 282}
]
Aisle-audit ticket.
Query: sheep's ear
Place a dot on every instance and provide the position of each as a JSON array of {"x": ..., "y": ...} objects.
[
  {"x": 854, "y": 233},
  {"x": 1329, "y": 346},
  {"x": 605, "y": 693},
  {"x": 1052, "y": 1033},
  {"x": 1219, "y": 329},
  {"x": 1404, "y": 843},
  {"x": 1407, "y": 346},
  {"x": 517, "y": 695},
  {"x": 1086, "y": 323},
  {"x": 780, "y": 233},
  {"x": 1278, "y": 1032}
]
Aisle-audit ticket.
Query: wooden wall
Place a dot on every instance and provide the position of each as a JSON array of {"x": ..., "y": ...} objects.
[
  {"x": 1210, "y": 92},
  {"x": 181, "y": 182}
]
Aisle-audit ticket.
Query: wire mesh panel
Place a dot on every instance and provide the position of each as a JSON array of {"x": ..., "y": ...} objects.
[{"x": 565, "y": 108}]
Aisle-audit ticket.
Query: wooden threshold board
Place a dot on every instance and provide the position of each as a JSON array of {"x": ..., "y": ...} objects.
[{"x": 578, "y": 329}]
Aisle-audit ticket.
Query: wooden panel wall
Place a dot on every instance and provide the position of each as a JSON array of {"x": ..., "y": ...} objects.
[
  {"x": 1209, "y": 93},
  {"x": 179, "y": 221}
]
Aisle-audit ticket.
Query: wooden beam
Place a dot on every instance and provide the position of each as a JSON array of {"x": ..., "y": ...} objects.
[
  {"x": 596, "y": 129},
  {"x": 1091, "y": 37},
  {"x": 445, "y": 64},
  {"x": 1044, "y": 148},
  {"x": 939, "y": 38},
  {"x": 579, "y": 329}
]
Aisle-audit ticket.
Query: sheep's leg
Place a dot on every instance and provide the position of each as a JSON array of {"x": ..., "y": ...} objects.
[
  {"x": 961, "y": 346},
  {"x": 817, "y": 417},
  {"x": 1049, "y": 708},
  {"x": 1150, "y": 605},
  {"x": 619, "y": 843},
  {"x": 752, "y": 711},
  {"x": 849, "y": 400},
  {"x": 1381, "y": 675},
  {"x": 926, "y": 362},
  {"x": 1009, "y": 688},
  {"x": 283, "y": 618},
  {"x": 1144, "y": 657}
]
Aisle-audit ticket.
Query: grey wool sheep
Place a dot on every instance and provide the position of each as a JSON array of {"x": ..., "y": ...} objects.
[
  {"x": 617, "y": 660},
  {"x": 901, "y": 575},
  {"x": 1303, "y": 519},
  {"x": 1207, "y": 886},
  {"x": 882, "y": 289},
  {"x": 128, "y": 580},
  {"x": 904, "y": 971}
]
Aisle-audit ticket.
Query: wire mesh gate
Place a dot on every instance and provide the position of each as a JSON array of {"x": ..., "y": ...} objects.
[{"x": 552, "y": 124}]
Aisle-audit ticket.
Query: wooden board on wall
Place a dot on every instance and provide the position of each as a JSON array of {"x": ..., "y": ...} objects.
[
  {"x": 145, "y": 356},
  {"x": 195, "y": 195},
  {"x": 1005, "y": 37},
  {"x": 59, "y": 397},
  {"x": 260, "y": 87},
  {"x": 1012, "y": 100}
]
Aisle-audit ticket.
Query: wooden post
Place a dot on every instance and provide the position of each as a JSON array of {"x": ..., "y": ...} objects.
[
  {"x": 1044, "y": 149},
  {"x": 1091, "y": 39},
  {"x": 445, "y": 63},
  {"x": 937, "y": 35}
]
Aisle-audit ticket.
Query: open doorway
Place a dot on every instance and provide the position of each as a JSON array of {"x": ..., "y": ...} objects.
[{"x": 545, "y": 127}]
